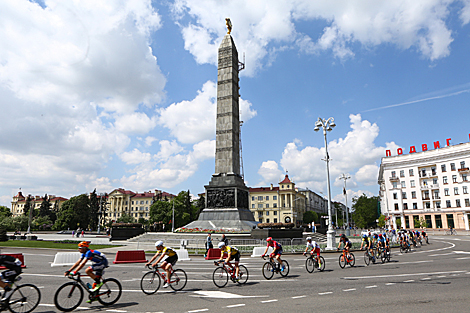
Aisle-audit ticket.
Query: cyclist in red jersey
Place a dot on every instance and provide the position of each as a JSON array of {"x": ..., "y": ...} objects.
[{"x": 277, "y": 251}]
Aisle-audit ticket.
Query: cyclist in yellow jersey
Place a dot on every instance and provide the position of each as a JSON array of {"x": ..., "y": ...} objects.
[
  {"x": 167, "y": 263},
  {"x": 232, "y": 254}
]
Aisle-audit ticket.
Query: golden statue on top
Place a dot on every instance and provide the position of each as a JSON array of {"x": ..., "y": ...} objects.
[{"x": 229, "y": 25}]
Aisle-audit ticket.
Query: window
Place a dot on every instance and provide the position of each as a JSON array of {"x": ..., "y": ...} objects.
[
  {"x": 405, "y": 206},
  {"x": 275, "y": 220},
  {"x": 436, "y": 194},
  {"x": 267, "y": 205},
  {"x": 428, "y": 205},
  {"x": 402, "y": 173},
  {"x": 403, "y": 195},
  {"x": 267, "y": 213},
  {"x": 456, "y": 190},
  {"x": 464, "y": 189},
  {"x": 447, "y": 203},
  {"x": 395, "y": 196},
  {"x": 260, "y": 205},
  {"x": 396, "y": 206},
  {"x": 438, "y": 221},
  {"x": 446, "y": 191},
  {"x": 260, "y": 198},
  {"x": 425, "y": 182},
  {"x": 403, "y": 185},
  {"x": 275, "y": 212},
  {"x": 423, "y": 173},
  {"x": 444, "y": 179},
  {"x": 142, "y": 202},
  {"x": 252, "y": 205},
  {"x": 394, "y": 185},
  {"x": 433, "y": 171},
  {"x": 415, "y": 206},
  {"x": 411, "y": 172},
  {"x": 147, "y": 202},
  {"x": 452, "y": 166},
  {"x": 462, "y": 164},
  {"x": 412, "y": 183},
  {"x": 457, "y": 203},
  {"x": 438, "y": 204},
  {"x": 252, "y": 198},
  {"x": 443, "y": 168},
  {"x": 274, "y": 205},
  {"x": 267, "y": 197},
  {"x": 464, "y": 177},
  {"x": 467, "y": 202},
  {"x": 267, "y": 220},
  {"x": 434, "y": 181},
  {"x": 413, "y": 194},
  {"x": 132, "y": 202},
  {"x": 454, "y": 178},
  {"x": 426, "y": 195},
  {"x": 274, "y": 197},
  {"x": 450, "y": 220},
  {"x": 394, "y": 174}
]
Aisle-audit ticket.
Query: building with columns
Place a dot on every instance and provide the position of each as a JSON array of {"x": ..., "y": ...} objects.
[
  {"x": 19, "y": 201},
  {"x": 430, "y": 186},
  {"x": 280, "y": 204}
]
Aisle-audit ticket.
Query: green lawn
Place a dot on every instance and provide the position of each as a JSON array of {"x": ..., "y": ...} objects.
[{"x": 48, "y": 245}]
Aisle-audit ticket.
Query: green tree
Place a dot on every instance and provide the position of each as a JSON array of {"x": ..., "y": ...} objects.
[
  {"x": 45, "y": 207},
  {"x": 187, "y": 205},
  {"x": 310, "y": 216},
  {"x": 126, "y": 218},
  {"x": 200, "y": 205},
  {"x": 422, "y": 222},
  {"x": 27, "y": 205},
  {"x": 94, "y": 210},
  {"x": 161, "y": 211},
  {"x": 74, "y": 213},
  {"x": 4, "y": 212},
  {"x": 365, "y": 211},
  {"x": 42, "y": 223},
  {"x": 382, "y": 221}
]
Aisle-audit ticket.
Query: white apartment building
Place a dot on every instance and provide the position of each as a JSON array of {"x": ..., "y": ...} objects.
[{"x": 432, "y": 185}]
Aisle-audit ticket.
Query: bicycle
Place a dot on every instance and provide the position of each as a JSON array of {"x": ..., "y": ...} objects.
[
  {"x": 343, "y": 260},
  {"x": 311, "y": 263},
  {"x": 24, "y": 298},
  {"x": 450, "y": 232},
  {"x": 405, "y": 247},
  {"x": 151, "y": 280},
  {"x": 369, "y": 257},
  {"x": 69, "y": 296},
  {"x": 271, "y": 267},
  {"x": 384, "y": 255},
  {"x": 223, "y": 272}
]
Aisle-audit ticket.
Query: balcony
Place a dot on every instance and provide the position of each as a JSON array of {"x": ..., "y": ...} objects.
[
  {"x": 426, "y": 198},
  {"x": 427, "y": 187},
  {"x": 464, "y": 170},
  {"x": 394, "y": 178}
]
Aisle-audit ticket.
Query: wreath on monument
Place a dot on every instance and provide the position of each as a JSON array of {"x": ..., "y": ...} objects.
[{"x": 276, "y": 225}]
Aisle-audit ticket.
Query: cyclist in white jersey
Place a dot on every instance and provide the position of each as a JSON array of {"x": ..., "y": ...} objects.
[{"x": 314, "y": 248}]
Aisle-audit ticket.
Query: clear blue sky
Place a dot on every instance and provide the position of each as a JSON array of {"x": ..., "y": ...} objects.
[{"x": 123, "y": 93}]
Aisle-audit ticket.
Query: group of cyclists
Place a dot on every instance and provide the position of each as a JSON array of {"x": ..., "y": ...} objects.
[{"x": 100, "y": 262}]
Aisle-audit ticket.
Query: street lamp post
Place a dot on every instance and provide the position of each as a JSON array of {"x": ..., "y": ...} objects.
[
  {"x": 173, "y": 219},
  {"x": 346, "y": 177},
  {"x": 327, "y": 125}
]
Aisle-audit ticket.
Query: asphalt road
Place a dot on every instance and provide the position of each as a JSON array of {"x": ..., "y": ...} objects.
[{"x": 433, "y": 278}]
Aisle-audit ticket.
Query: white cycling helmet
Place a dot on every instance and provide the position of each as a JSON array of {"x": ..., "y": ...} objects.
[
  {"x": 159, "y": 243},
  {"x": 221, "y": 244},
  {"x": 308, "y": 238}
]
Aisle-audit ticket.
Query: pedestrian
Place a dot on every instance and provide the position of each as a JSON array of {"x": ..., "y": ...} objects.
[
  {"x": 208, "y": 244},
  {"x": 77, "y": 233},
  {"x": 83, "y": 233},
  {"x": 224, "y": 239},
  {"x": 73, "y": 233}
]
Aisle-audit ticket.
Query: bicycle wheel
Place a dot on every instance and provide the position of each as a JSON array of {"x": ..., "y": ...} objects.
[
  {"x": 352, "y": 259},
  {"x": 402, "y": 250},
  {"x": 25, "y": 298},
  {"x": 342, "y": 261},
  {"x": 220, "y": 277},
  {"x": 110, "y": 292},
  {"x": 389, "y": 255},
  {"x": 68, "y": 297},
  {"x": 383, "y": 257},
  {"x": 268, "y": 270},
  {"x": 310, "y": 264},
  {"x": 150, "y": 282},
  {"x": 178, "y": 280},
  {"x": 243, "y": 274},
  {"x": 366, "y": 258},
  {"x": 322, "y": 264},
  {"x": 285, "y": 272}
]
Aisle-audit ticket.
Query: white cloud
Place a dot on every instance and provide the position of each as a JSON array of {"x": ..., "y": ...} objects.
[
  {"x": 135, "y": 123},
  {"x": 135, "y": 157},
  {"x": 167, "y": 149},
  {"x": 261, "y": 29},
  {"x": 194, "y": 121},
  {"x": 270, "y": 172},
  {"x": 355, "y": 154}
]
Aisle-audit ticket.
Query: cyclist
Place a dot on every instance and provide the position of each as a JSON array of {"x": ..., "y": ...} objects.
[
  {"x": 99, "y": 260},
  {"x": 277, "y": 251},
  {"x": 367, "y": 244},
  {"x": 169, "y": 261},
  {"x": 315, "y": 248},
  {"x": 347, "y": 244},
  {"x": 8, "y": 276},
  {"x": 381, "y": 242},
  {"x": 387, "y": 242},
  {"x": 425, "y": 236},
  {"x": 232, "y": 254}
]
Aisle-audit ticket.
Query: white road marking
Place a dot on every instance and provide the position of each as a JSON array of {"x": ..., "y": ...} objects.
[
  {"x": 221, "y": 295},
  {"x": 374, "y": 286},
  {"x": 267, "y": 301},
  {"x": 390, "y": 284},
  {"x": 401, "y": 275},
  {"x": 441, "y": 276},
  {"x": 352, "y": 289},
  {"x": 114, "y": 310},
  {"x": 325, "y": 293},
  {"x": 298, "y": 297},
  {"x": 235, "y": 305},
  {"x": 200, "y": 310},
  {"x": 409, "y": 281},
  {"x": 463, "y": 258},
  {"x": 426, "y": 278}
]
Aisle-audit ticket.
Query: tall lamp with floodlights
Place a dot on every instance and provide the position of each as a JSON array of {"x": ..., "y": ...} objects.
[
  {"x": 327, "y": 125},
  {"x": 346, "y": 177}
]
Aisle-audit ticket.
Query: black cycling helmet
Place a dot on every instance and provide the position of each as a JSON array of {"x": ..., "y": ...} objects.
[{"x": 343, "y": 236}]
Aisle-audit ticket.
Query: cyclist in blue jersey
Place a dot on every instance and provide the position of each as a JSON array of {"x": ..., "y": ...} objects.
[{"x": 99, "y": 260}]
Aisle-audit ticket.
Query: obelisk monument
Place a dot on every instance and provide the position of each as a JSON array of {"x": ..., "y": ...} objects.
[{"x": 226, "y": 195}]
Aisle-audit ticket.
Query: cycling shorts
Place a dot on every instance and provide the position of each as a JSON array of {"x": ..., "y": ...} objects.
[
  {"x": 98, "y": 268},
  {"x": 9, "y": 275},
  {"x": 172, "y": 259},
  {"x": 236, "y": 257},
  {"x": 276, "y": 252},
  {"x": 316, "y": 250}
]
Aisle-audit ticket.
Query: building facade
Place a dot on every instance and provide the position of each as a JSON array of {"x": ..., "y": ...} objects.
[
  {"x": 282, "y": 204},
  {"x": 431, "y": 187},
  {"x": 314, "y": 201},
  {"x": 137, "y": 205},
  {"x": 19, "y": 201}
]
